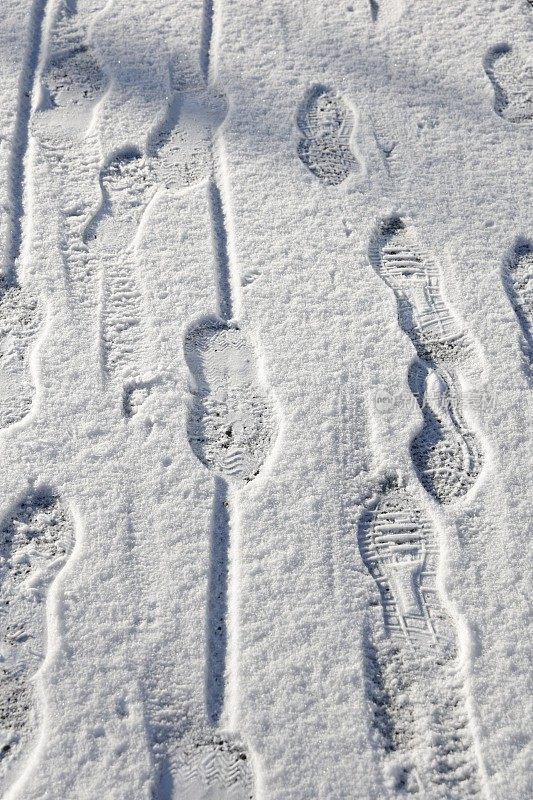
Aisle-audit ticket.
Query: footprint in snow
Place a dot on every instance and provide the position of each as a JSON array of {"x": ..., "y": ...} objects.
[
  {"x": 445, "y": 452},
  {"x": 326, "y": 123},
  {"x": 512, "y": 81},
  {"x": 231, "y": 423},
  {"x": 414, "y": 681},
  {"x": 20, "y": 319},
  {"x": 219, "y": 769},
  {"x": 35, "y": 543}
]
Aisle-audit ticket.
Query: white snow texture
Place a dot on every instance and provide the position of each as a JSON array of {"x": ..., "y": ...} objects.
[{"x": 266, "y": 374}]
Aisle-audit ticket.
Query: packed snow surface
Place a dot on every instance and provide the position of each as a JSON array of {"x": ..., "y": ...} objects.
[{"x": 266, "y": 375}]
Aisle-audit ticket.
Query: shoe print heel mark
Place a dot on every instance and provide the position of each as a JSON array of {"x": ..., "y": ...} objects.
[
  {"x": 445, "y": 452},
  {"x": 215, "y": 768}
]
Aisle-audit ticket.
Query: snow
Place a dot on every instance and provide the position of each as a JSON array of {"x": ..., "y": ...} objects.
[{"x": 265, "y": 400}]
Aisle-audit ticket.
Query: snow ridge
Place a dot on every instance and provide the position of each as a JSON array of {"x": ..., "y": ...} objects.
[{"x": 518, "y": 282}]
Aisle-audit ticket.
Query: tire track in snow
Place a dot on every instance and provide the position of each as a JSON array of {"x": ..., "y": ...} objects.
[
  {"x": 413, "y": 676},
  {"x": 17, "y": 167},
  {"x": 446, "y": 454},
  {"x": 20, "y": 315},
  {"x": 517, "y": 275},
  {"x": 35, "y": 542}
]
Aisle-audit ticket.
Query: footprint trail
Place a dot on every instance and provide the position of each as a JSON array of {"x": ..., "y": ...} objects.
[
  {"x": 35, "y": 542},
  {"x": 446, "y": 453},
  {"x": 231, "y": 430}
]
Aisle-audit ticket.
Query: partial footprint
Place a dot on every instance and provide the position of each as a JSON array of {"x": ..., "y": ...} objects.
[
  {"x": 121, "y": 318},
  {"x": 327, "y": 123},
  {"x": 394, "y": 716},
  {"x": 399, "y": 549},
  {"x": 231, "y": 423},
  {"x": 216, "y": 770},
  {"x": 135, "y": 394},
  {"x": 518, "y": 282},
  {"x": 386, "y": 12},
  {"x": 35, "y": 542},
  {"x": 73, "y": 75},
  {"x": 386, "y": 145},
  {"x": 126, "y": 190},
  {"x": 250, "y": 276},
  {"x": 74, "y": 78},
  {"x": 512, "y": 80},
  {"x": 446, "y": 453},
  {"x": 414, "y": 680},
  {"x": 182, "y": 148},
  {"x": 421, "y": 723},
  {"x": 20, "y": 319},
  {"x": 72, "y": 83},
  {"x": 414, "y": 278},
  {"x": 127, "y": 185}
]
